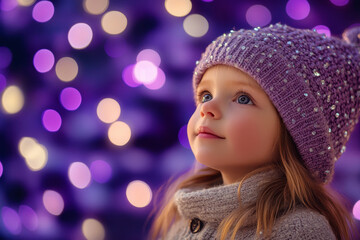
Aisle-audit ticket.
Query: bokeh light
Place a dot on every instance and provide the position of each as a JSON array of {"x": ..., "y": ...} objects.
[
  {"x": 128, "y": 76},
  {"x": 142, "y": 133},
  {"x": 35, "y": 154},
  {"x": 51, "y": 120},
  {"x": 95, "y": 7},
  {"x": 183, "y": 138},
  {"x": 53, "y": 202},
  {"x": 11, "y": 220},
  {"x": 12, "y": 99},
  {"x": 80, "y": 35},
  {"x": 108, "y": 110},
  {"x": 43, "y": 11},
  {"x": 298, "y": 9},
  {"x": 6, "y": 57},
  {"x": 28, "y": 217},
  {"x": 70, "y": 98},
  {"x": 100, "y": 171},
  {"x": 356, "y": 210},
  {"x": 339, "y": 3},
  {"x": 178, "y": 8},
  {"x": 145, "y": 72},
  {"x": 139, "y": 193},
  {"x": 2, "y": 82},
  {"x": 25, "y": 145},
  {"x": 114, "y": 22},
  {"x": 119, "y": 133},
  {"x": 196, "y": 25},
  {"x": 79, "y": 175},
  {"x": 8, "y": 5},
  {"x": 25, "y": 3},
  {"x": 258, "y": 16},
  {"x": 43, "y": 60},
  {"x": 66, "y": 69},
  {"x": 149, "y": 55},
  {"x": 93, "y": 229},
  {"x": 323, "y": 29},
  {"x": 158, "y": 82}
]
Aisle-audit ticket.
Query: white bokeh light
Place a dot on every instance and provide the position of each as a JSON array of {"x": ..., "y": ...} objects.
[
  {"x": 79, "y": 175},
  {"x": 80, "y": 35},
  {"x": 145, "y": 71}
]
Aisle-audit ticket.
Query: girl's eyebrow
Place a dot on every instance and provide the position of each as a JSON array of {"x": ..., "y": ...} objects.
[{"x": 235, "y": 82}]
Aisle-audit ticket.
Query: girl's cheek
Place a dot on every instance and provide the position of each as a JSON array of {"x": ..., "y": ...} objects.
[{"x": 249, "y": 135}]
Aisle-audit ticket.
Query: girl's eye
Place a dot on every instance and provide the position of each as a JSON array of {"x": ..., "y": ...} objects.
[
  {"x": 243, "y": 99},
  {"x": 206, "y": 97}
]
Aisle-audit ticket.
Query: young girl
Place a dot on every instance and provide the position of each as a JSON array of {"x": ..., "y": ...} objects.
[{"x": 275, "y": 108}]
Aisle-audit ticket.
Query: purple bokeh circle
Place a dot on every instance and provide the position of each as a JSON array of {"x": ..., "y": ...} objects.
[
  {"x": 258, "y": 16},
  {"x": 11, "y": 220},
  {"x": 100, "y": 171},
  {"x": 339, "y": 3},
  {"x": 183, "y": 138},
  {"x": 128, "y": 76},
  {"x": 70, "y": 98},
  {"x": 43, "y": 11},
  {"x": 51, "y": 120},
  {"x": 298, "y": 9},
  {"x": 28, "y": 217},
  {"x": 1, "y": 169},
  {"x": 43, "y": 60}
]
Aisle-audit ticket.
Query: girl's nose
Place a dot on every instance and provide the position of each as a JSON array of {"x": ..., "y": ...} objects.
[{"x": 210, "y": 109}]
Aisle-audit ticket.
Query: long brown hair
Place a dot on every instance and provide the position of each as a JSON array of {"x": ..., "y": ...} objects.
[{"x": 292, "y": 186}]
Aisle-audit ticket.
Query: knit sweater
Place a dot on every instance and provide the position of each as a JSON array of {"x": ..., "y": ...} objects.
[{"x": 202, "y": 210}]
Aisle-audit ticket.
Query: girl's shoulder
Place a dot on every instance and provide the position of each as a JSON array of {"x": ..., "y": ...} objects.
[{"x": 304, "y": 224}]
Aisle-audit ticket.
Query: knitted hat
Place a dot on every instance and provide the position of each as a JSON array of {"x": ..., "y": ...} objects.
[{"x": 312, "y": 80}]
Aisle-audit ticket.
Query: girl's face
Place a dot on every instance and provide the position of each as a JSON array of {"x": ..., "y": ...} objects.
[{"x": 235, "y": 127}]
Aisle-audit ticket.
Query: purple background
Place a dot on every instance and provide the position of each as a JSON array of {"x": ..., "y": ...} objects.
[{"x": 158, "y": 148}]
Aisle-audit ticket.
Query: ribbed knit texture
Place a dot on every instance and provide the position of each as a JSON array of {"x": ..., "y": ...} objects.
[
  {"x": 312, "y": 80},
  {"x": 212, "y": 205}
]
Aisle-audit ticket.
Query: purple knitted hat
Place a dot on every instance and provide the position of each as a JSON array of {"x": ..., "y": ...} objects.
[{"x": 312, "y": 80}]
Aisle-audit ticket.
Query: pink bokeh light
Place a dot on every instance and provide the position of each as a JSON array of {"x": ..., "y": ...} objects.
[
  {"x": 356, "y": 210},
  {"x": 79, "y": 175},
  {"x": 70, "y": 98},
  {"x": 80, "y": 35},
  {"x": 323, "y": 29},
  {"x": 43, "y": 60},
  {"x": 298, "y": 9},
  {"x": 53, "y": 202},
  {"x": 43, "y": 11},
  {"x": 258, "y": 16},
  {"x": 128, "y": 76},
  {"x": 149, "y": 55},
  {"x": 1, "y": 169},
  {"x": 145, "y": 72},
  {"x": 158, "y": 82},
  {"x": 51, "y": 120},
  {"x": 339, "y": 3}
]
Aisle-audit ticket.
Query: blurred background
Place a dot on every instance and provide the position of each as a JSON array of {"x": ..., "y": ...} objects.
[{"x": 95, "y": 98}]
